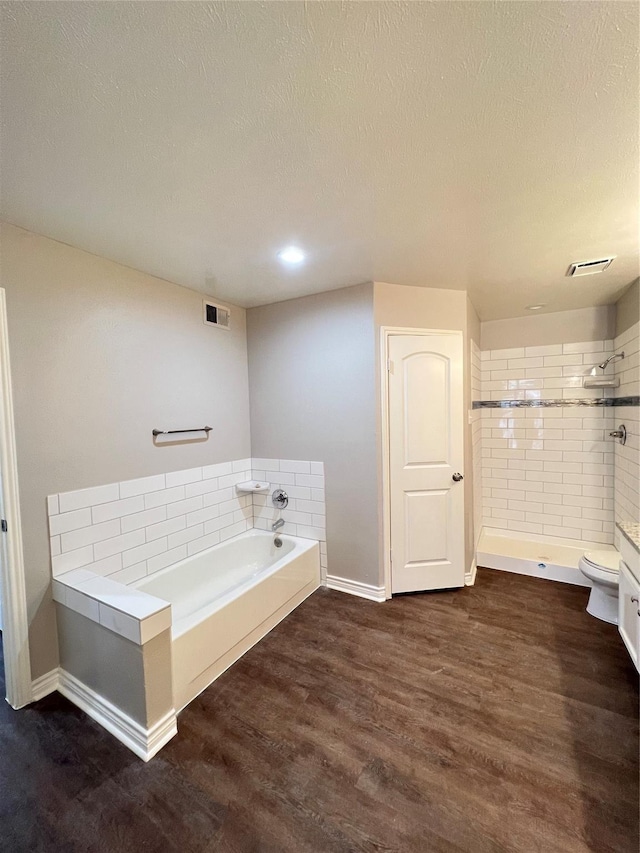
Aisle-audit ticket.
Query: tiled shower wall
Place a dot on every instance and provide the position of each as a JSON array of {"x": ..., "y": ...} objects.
[
  {"x": 128, "y": 530},
  {"x": 547, "y": 470},
  {"x": 627, "y": 469}
]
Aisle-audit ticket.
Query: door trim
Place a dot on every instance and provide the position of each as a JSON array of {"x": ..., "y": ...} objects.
[
  {"x": 14, "y": 597},
  {"x": 387, "y": 332}
]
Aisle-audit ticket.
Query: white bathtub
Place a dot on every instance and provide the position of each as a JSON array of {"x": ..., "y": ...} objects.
[{"x": 225, "y": 599}]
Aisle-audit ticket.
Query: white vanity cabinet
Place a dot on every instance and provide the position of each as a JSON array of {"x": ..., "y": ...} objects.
[
  {"x": 628, "y": 613},
  {"x": 629, "y": 599}
]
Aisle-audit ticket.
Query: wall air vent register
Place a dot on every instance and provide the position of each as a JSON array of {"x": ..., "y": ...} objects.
[{"x": 217, "y": 315}]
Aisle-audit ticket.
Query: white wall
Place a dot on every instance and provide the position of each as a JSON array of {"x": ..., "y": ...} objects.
[
  {"x": 313, "y": 396},
  {"x": 628, "y": 308},
  {"x": 101, "y": 355}
]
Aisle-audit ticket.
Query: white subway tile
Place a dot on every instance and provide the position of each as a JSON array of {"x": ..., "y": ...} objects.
[
  {"x": 557, "y": 530},
  {"x": 186, "y": 535},
  {"x": 72, "y": 560},
  {"x": 165, "y": 496},
  {"x": 220, "y": 469},
  {"x": 311, "y": 480},
  {"x": 522, "y": 363},
  {"x": 154, "y": 564},
  {"x": 131, "y": 574},
  {"x": 69, "y": 521},
  {"x": 233, "y": 479},
  {"x": 141, "y": 486},
  {"x": 52, "y": 505},
  {"x": 143, "y": 519},
  {"x": 234, "y": 530},
  {"x": 203, "y": 543},
  {"x": 120, "y": 623},
  {"x": 77, "y": 577},
  {"x": 180, "y": 478},
  {"x": 143, "y": 552},
  {"x": 116, "y": 509},
  {"x": 164, "y": 528},
  {"x": 201, "y": 515},
  {"x": 266, "y": 464},
  {"x": 310, "y": 532},
  {"x": 218, "y": 497},
  {"x": 183, "y": 507},
  {"x": 70, "y": 501},
  {"x": 549, "y": 349},
  {"x": 203, "y": 487},
  {"x": 108, "y": 566},
  {"x": 561, "y": 360},
  {"x": 81, "y": 603},
  {"x": 118, "y": 544},
  {"x": 88, "y": 535},
  {"x": 515, "y": 352}
]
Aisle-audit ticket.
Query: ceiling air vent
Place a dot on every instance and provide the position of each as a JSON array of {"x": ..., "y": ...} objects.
[
  {"x": 216, "y": 315},
  {"x": 589, "y": 267}
]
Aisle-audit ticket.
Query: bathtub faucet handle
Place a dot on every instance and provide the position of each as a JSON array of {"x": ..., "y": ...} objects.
[
  {"x": 277, "y": 524},
  {"x": 280, "y": 498}
]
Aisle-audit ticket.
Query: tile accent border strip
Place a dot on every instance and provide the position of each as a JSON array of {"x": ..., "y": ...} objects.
[{"x": 547, "y": 404}]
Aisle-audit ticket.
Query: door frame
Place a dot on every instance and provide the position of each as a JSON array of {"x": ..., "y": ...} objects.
[
  {"x": 387, "y": 332},
  {"x": 15, "y": 633}
]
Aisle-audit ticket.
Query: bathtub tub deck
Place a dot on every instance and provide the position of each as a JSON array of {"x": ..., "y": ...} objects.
[{"x": 225, "y": 599}]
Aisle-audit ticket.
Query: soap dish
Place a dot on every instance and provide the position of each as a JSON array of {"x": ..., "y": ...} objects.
[{"x": 255, "y": 486}]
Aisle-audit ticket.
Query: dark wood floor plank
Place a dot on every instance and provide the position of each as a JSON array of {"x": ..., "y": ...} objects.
[{"x": 496, "y": 719}]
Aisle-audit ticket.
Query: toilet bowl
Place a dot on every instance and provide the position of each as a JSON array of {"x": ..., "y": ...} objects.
[{"x": 602, "y": 569}]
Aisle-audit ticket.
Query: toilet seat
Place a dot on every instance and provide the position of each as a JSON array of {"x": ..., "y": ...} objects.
[{"x": 604, "y": 561}]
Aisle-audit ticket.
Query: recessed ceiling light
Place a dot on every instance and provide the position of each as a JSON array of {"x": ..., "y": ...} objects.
[
  {"x": 292, "y": 255},
  {"x": 536, "y": 307}
]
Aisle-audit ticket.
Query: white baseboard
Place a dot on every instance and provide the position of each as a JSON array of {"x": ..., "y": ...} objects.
[
  {"x": 144, "y": 742},
  {"x": 45, "y": 684},
  {"x": 470, "y": 576},
  {"x": 363, "y": 590}
]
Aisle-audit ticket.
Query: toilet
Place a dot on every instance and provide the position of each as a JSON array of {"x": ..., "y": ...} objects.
[{"x": 602, "y": 569}]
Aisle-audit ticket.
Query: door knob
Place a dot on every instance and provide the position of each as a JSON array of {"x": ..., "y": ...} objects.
[{"x": 457, "y": 477}]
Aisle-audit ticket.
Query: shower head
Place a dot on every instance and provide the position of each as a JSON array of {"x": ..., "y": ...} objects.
[{"x": 615, "y": 357}]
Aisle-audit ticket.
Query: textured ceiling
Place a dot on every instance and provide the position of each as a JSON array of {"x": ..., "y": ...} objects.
[{"x": 480, "y": 146}]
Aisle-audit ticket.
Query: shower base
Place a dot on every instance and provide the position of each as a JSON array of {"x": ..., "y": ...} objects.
[{"x": 537, "y": 556}]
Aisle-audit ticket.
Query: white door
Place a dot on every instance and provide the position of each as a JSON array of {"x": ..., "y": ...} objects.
[{"x": 426, "y": 455}]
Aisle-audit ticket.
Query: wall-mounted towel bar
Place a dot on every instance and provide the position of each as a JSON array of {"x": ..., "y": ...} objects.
[{"x": 206, "y": 429}]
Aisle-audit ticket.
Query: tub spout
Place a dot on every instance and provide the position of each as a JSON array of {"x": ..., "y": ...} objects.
[{"x": 277, "y": 524}]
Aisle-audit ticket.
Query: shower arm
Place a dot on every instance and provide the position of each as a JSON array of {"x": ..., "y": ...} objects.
[{"x": 603, "y": 364}]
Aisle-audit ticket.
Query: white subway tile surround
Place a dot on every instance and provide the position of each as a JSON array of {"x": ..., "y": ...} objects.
[
  {"x": 547, "y": 471},
  {"x": 128, "y": 530},
  {"x": 627, "y": 457}
]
